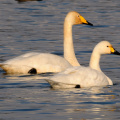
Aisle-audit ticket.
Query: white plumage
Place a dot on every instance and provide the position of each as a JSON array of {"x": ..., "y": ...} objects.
[
  {"x": 78, "y": 77},
  {"x": 45, "y": 62},
  {"x": 42, "y": 62},
  {"x": 85, "y": 76}
]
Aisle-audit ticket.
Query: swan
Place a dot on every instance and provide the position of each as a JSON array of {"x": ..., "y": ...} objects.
[
  {"x": 45, "y": 62},
  {"x": 80, "y": 76}
]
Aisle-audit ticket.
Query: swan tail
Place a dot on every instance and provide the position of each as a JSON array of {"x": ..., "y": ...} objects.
[
  {"x": 4, "y": 66},
  {"x": 1, "y": 65},
  {"x": 8, "y": 68}
]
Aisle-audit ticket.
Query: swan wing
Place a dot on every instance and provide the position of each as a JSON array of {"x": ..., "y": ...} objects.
[
  {"x": 42, "y": 62},
  {"x": 79, "y": 76}
]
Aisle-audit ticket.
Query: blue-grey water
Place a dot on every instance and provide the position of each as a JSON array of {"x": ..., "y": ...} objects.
[{"x": 38, "y": 26}]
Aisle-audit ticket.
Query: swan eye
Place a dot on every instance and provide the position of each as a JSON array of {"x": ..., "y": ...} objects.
[
  {"x": 78, "y": 16},
  {"x": 107, "y": 46}
]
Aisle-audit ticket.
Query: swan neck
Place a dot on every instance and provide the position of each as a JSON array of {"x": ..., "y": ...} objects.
[
  {"x": 69, "y": 53},
  {"x": 94, "y": 64},
  {"x": 95, "y": 61}
]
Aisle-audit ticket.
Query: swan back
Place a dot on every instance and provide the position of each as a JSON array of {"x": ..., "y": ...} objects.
[
  {"x": 42, "y": 62},
  {"x": 82, "y": 76}
]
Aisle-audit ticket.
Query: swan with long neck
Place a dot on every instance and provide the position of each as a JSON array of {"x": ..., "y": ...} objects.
[
  {"x": 69, "y": 53},
  {"x": 46, "y": 62},
  {"x": 85, "y": 76}
]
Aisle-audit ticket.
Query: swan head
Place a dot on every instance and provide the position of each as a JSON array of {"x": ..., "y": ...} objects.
[
  {"x": 75, "y": 18},
  {"x": 104, "y": 47}
]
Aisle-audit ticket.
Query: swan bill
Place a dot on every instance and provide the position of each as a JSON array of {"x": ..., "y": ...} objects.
[
  {"x": 115, "y": 52},
  {"x": 84, "y": 21},
  {"x": 88, "y": 23}
]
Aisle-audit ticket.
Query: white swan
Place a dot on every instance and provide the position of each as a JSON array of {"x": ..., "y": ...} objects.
[
  {"x": 45, "y": 62},
  {"x": 85, "y": 76}
]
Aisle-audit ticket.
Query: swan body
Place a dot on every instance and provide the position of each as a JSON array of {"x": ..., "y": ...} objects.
[
  {"x": 45, "y": 62},
  {"x": 85, "y": 76},
  {"x": 78, "y": 77}
]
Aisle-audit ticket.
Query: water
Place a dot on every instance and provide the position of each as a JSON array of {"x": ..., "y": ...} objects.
[{"x": 38, "y": 26}]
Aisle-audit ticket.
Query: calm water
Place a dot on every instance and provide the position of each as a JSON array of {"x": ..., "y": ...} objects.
[{"x": 38, "y": 26}]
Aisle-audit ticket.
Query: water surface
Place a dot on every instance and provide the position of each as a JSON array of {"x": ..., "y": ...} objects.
[{"x": 38, "y": 26}]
